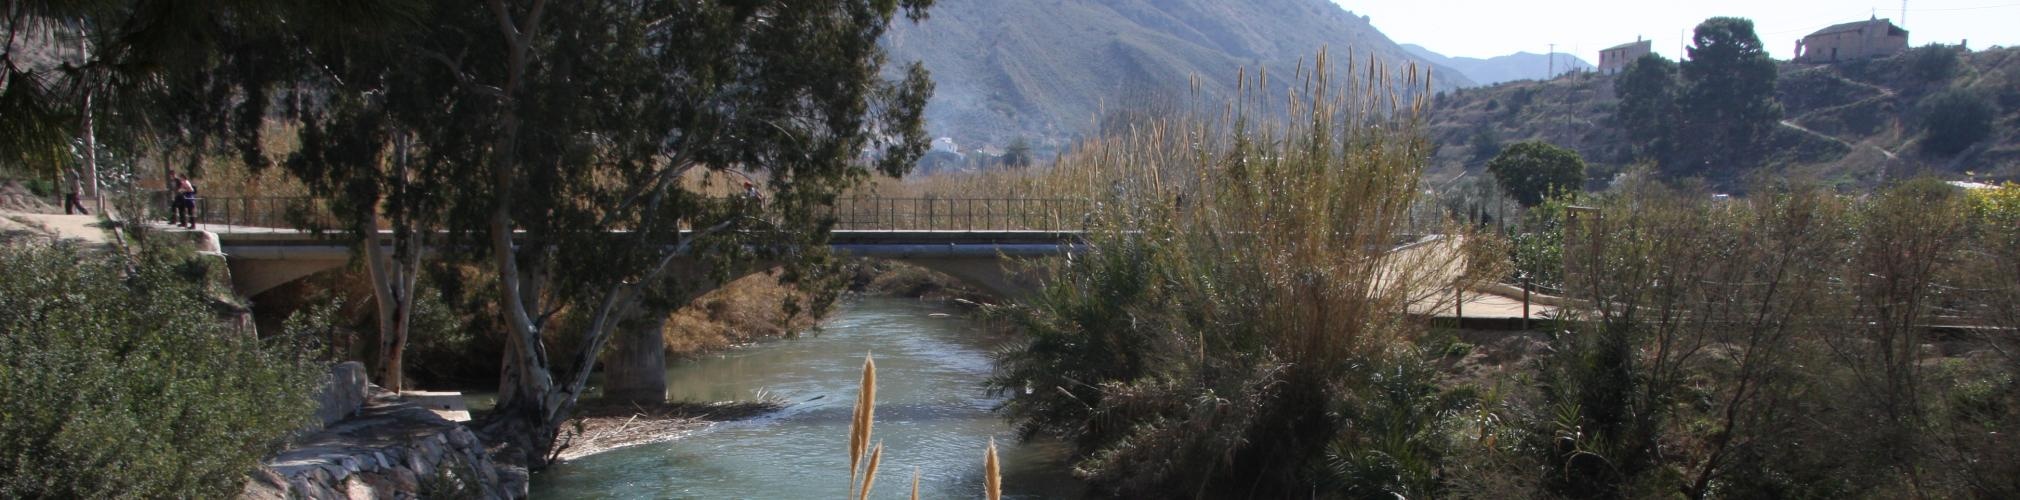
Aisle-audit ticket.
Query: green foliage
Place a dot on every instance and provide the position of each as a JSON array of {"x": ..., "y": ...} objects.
[
  {"x": 1399, "y": 426},
  {"x": 156, "y": 71},
  {"x": 1998, "y": 205},
  {"x": 132, "y": 386},
  {"x": 1933, "y": 63},
  {"x": 1648, "y": 91},
  {"x": 1954, "y": 120},
  {"x": 1728, "y": 106},
  {"x": 1484, "y": 144},
  {"x": 556, "y": 144},
  {"x": 1534, "y": 170},
  {"x": 1538, "y": 246}
]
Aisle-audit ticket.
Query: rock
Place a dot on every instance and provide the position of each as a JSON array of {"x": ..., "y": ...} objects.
[
  {"x": 343, "y": 393},
  {"x": 377, "y": 446}
]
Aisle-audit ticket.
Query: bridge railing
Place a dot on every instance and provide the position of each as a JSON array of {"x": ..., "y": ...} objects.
[
  {"x": 240, "y": 213},
  {"x": 231, "y": 214},
  {"x": 960, "y": 214}
]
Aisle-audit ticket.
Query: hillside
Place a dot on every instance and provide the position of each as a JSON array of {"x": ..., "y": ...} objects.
[
  {"x": 1502, "y": 69},
  {"x": 1851, "y": 124},
  {"x": 1044, "y": 69}
]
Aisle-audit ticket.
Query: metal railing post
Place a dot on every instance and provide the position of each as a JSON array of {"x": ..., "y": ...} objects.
[
  {"x": 1458, "y": 307},
  {"x": 1525, "y": 303}
]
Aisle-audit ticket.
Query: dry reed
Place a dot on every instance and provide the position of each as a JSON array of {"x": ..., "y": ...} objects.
[
  {"x": 915, "y": 483},
  {"x": 992, "y": 475},
  {"x": 859, "y": 427},
  {"x": 870, "y": 475}
]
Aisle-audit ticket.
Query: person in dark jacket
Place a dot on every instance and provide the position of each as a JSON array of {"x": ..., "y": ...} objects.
[{"x": 184, "y": 204}]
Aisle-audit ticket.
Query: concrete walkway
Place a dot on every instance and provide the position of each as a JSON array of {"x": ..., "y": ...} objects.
[{"x": 1485, "y": 305}]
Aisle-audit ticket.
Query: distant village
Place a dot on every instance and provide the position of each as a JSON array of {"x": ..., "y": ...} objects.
[{"x": 1871, "y": 38}]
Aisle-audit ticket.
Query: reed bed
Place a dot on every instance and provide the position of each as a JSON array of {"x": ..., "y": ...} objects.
[{"x": 1241, "y": 277}]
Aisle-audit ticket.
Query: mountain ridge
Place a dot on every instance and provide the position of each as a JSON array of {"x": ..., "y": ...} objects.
[
  {"x": 1047, "y": 70},
  {"x": 1502, "y": 69}
]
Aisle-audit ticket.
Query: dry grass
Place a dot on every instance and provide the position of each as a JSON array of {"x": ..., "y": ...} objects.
[{"x": 737, "y": 313}]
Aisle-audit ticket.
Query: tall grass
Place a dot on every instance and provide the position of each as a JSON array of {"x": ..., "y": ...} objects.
[{"x": 1240, "y": 268}]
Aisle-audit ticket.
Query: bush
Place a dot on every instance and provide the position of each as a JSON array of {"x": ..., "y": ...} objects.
[
  {"x": 130, "y": 385},
  {"x": 1955, "y": 119},
  {"x": 1934, "y": 62},
  {"x": 1533, "y": 170}
]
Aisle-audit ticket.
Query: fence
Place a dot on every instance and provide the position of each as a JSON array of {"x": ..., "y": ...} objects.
[
  {"x": 862, "y": 213},
  {"x": 227, "y": 214},
  {"x": 960, "y": 214}
]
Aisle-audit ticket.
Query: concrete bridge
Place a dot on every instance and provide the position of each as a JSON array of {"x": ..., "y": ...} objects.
[
  {"x": 264, "y": 258},
  {"x": 975, "y": 240},
  {"x": 968, "y": 238}
]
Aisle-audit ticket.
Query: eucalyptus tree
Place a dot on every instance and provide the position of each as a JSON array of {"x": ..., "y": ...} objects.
[
  {"x": 352, "y": 152},
  {"x": 565, "y": 139},
  {"x": 165, "y": 75}
]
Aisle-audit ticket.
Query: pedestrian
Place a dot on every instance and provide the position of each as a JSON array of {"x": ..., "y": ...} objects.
[
  {"x": 184, "y": 205},
  {"x": 75, "y": 198}
]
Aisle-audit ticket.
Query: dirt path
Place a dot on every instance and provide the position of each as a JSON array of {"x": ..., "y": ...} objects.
[{"x": 81, "y": 228}]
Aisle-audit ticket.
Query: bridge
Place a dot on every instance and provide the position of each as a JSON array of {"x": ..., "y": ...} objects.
[
  {"x": 967, "y": 238},
  {"x": 971, "y": 239}
]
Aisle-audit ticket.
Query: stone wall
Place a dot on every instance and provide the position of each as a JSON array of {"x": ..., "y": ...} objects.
[{"x": 373, "y": 445}]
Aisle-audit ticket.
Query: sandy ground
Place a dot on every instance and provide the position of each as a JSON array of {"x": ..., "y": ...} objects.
[{"x": 609, "y": 427}]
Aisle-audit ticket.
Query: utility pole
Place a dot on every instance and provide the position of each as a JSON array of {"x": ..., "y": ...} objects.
[
  {"x": 1553, "y": 63},
  {"x": 1904, "y": 14}
]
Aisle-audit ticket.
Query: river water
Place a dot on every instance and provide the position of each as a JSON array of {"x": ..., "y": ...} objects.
[{"x": 932, "y": 414}]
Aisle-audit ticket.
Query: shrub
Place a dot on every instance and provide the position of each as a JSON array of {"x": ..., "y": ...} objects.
[
  {"x": 1955, "y": 119},
  {"x": 121, "y": 384},
  {"x": 1533, "y": 170},
  {"x": 1933, "y": 62}
]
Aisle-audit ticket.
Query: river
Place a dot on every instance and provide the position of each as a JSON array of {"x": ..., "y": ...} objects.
[{"x": 932, "y": 414}]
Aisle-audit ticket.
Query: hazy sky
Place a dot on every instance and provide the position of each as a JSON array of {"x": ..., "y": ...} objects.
[{"x": 1487, "y": 28}]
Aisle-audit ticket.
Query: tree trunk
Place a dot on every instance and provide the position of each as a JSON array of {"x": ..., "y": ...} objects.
[
  {"x": 89, "y": 134},
  {"x": 635, "y": 371},
  {"x": 393, "y": 279}
]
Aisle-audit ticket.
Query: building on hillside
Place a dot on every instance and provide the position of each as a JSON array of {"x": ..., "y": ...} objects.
[
  {"x": 1616, "y": 59},
  {"x": 946, "y": 144},
  {"x": 1854, "y": 40}
]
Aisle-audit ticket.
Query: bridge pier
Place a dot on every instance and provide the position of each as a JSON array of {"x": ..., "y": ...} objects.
[{"x": 635, "y": 369}]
